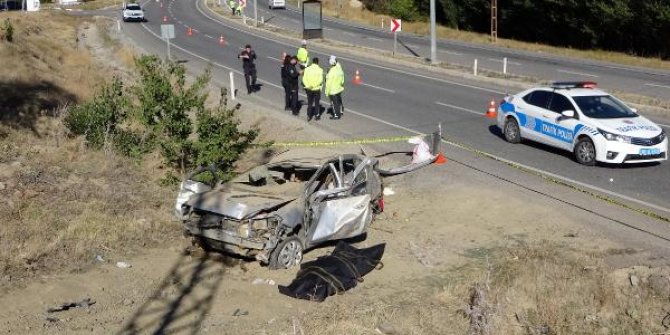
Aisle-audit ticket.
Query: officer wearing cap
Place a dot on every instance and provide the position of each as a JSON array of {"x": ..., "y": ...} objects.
[
  {"x": 303, "y": 54},
  {"x": 335, "y": 87}
]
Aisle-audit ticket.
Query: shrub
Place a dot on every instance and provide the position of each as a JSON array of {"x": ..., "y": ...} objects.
[
  {"x": 8, "y": 28},
  {"x": 99, "y": 119}
]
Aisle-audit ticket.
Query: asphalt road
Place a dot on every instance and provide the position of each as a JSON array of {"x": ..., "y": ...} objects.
[
  {"x": 392, "y": 101},
  {"x": 643, "y": 81}
]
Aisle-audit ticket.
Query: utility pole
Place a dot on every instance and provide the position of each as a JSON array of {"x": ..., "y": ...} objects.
[
  {"x": 256, "y": 12},
  {"x": 494, "y": 21},
  {"x": 433, "y": 42}
]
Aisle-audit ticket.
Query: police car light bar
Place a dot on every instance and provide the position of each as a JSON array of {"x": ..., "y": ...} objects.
[{"x": 574, "y": 84}]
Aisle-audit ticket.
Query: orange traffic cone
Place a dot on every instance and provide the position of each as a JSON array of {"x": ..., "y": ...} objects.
[
  {"x": 357, "y": 78},
  {"x": 189, "y": 32},
  {"x": 222, "y": 42},
  {"x": 164, "y": 18},
  {"x": 491, "y": 112},
  {"x": 440, "y": 159}
]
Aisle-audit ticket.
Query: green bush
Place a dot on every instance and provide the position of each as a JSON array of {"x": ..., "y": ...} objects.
[
  {"x": 99, "y": 119},
  {"x": 405, "y": 10},
  {"x": 9, "y": 30},
  {"x": 162, "y": 111}
]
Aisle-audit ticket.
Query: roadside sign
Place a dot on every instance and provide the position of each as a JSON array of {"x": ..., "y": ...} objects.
[
  {"x": 396, "y": 25},
  {"x": 167, "y": 31}
]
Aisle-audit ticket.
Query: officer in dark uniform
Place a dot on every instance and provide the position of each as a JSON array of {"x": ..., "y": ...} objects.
[{"x": 248, "y": 57}]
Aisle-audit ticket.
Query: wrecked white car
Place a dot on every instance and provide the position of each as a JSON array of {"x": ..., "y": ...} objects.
[{"x": 298, "y": 200}]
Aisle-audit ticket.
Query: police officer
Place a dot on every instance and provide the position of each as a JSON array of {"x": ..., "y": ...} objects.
[
  {"x": 233, "y": 5},
  {"x": 312, "y": 80},
  {"x": 335, "y": 87},
  {"x": 248, "y": 57},
  {"x": 303, "y": 54},
  {"x": 293, "y": 79}
]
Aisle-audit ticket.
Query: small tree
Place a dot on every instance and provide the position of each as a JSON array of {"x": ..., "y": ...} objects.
[
  {"x": 220, "y": 141},
  {"x": 164, "y": 102}
]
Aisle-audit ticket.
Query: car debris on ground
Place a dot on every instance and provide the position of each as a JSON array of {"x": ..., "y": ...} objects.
[{"x": 85, "y": 303}]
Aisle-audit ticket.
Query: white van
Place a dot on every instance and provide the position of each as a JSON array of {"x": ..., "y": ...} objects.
[{"x": 272, "y": 4}]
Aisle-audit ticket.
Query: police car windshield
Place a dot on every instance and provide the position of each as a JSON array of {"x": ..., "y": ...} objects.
[{"x": 603, "y": 107}]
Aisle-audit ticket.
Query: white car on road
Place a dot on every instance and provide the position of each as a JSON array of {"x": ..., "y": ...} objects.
[
  {"x": 272, "y": 4},
  {"x": 133, "y": 12},
  {"x": 578, "y": 117}
]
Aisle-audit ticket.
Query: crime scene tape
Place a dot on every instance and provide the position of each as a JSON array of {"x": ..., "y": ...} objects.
[{"x": 341, "y": 142}]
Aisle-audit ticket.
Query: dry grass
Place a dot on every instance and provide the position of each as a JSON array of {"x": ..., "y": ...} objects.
[
  {"x": 363, "y": 16},
  {"x": 539, "y": 289},
  {"x": 61, "y": 203}
]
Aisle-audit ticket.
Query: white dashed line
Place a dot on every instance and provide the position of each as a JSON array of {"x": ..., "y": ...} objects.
[
  {"x": 209, "y": 36},
  {"x": 273, "y": 58},
  {"x": 577, "y": 73},
  {"x": 462, "y": 109},
  {"x": 451, "y": 53},
  {"x": 657, "y": 85},
  {"x": 379, "y": 88},
  {"x": 501, "y": 61}
]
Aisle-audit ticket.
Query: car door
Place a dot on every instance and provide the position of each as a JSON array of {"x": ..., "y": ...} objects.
[
  {"x": 535, "y": 115},
  {"x": 560, "y": 129},
  {"x": 338, "y": 206}
]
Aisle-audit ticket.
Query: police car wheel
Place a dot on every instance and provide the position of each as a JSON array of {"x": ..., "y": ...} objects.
[
  {"x": 585, "y": 152},
  {"x": 511, "y": 131}
]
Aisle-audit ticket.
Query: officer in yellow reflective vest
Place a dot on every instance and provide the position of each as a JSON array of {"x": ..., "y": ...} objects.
[
  {"x": 303, "y": 54},
  {"x": 312, "y": 80},
  {"x": 335, "y": 87}
]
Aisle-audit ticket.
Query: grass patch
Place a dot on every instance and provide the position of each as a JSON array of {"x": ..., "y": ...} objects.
[
  {"x": 61, "y": 203},
  {"x": 539, "y": 288}
]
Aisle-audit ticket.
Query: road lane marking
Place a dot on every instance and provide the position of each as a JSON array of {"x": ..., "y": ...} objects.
[
  {"x": 373, "y": 38},
  {"x": 273, "y": 58},
  {"x": 460, "y": 108},
  {"x": 577, "y": 73},
  {"x": 208, "y": 36},
  {"x": 379, "y": 88},
  {"x": 657, "y": 85},
  {"x": 501, "y": 61},
  {"x": 450, "y": 52},
  {"x": 397, "y": 126}
]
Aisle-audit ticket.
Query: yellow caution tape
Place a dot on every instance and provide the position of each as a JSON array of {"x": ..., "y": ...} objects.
[{"x": 341, "y": 142}]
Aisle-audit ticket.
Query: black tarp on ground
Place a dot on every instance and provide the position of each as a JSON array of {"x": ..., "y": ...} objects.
[{"x": 343, "y": 269}]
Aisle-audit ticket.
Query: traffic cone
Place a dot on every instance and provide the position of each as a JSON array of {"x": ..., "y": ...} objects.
[
  {"x": 491, "y": 112},
  {"x": 164, "y": 18},
  {"x": 357, "y": 78},
  {"x": 222, "y": 42},
  {"x": 440, "y": 159},
  {"x": 189, "y": 32}
]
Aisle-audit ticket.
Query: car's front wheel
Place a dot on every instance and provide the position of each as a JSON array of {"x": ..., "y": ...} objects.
[
  {"x": 511, "y": 131},
  {"x": 287, "y": 254},
  {"x": 585, "y": 152}
]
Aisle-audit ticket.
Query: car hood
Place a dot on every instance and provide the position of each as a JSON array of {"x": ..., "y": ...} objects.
[
  {"x": 241, "y": 201},
  {"x": 635, "y": 126}
]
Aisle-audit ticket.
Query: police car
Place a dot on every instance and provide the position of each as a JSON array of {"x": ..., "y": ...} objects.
[{"x": 578, "y": 117}]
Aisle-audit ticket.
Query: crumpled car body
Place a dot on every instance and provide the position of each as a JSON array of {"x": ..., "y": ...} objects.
[{"x": 298, "y": 200}]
